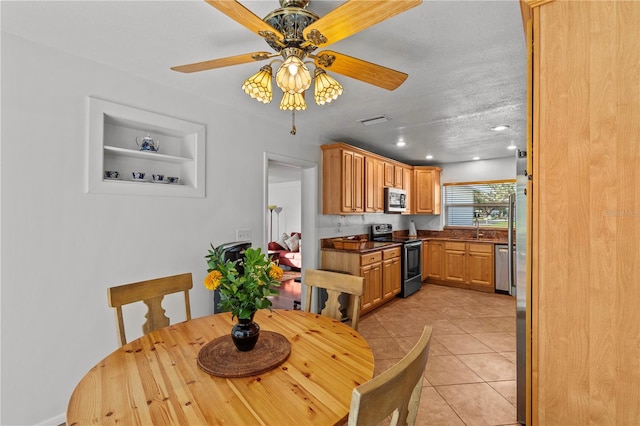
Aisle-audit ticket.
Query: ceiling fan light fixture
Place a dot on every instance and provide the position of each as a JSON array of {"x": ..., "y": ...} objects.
[
  {"x": 326, "y": 87},
  {"x": 258, "y": 86},
  {"x": 293, "y": 102},
  {"x": 293, "y": 76}
]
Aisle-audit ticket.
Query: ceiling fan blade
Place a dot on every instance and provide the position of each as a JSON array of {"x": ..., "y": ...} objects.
[
  {"x": 244, "y": 16},
  {"x": 360, "y": 70},
  {"x": 223, "y": 62},
  {"x": 354, "y": 16}
]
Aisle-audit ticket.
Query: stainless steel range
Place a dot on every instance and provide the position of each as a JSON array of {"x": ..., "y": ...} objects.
[{"x": 411, "y": 257}]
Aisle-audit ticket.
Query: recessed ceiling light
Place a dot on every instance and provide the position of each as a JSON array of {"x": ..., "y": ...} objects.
[
  {"x": 500, "y": 128},
  {"x": 475, "y": 158},
  {"x": 512, "y": 146},
  {"x": 429, "y": 157},
  {"x": 401, "y": 143}
]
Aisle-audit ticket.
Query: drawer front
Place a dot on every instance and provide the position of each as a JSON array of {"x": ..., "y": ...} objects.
[
  {"x": 481, "y": 247},
  {"x": 391, "y": 253},
  {"x": 369, "y": 258},
  {"x": 454, "y": 245}
]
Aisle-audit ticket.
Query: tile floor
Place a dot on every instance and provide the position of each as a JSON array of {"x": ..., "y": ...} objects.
[{"x": 470, "y": 374}]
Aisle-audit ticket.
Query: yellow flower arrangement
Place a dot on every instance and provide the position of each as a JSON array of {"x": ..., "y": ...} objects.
[{"x": 244, "y": 285}]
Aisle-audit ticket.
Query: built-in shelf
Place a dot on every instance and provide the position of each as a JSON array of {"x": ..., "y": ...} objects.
[
  {"x": 146, "y": 155},
  {"x": 113, "y": 129}
]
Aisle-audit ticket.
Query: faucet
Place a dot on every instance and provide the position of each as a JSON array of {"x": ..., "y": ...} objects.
[{"x": 477, "y": 219}]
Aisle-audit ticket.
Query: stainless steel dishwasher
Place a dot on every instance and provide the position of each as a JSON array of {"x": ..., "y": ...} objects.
[{"x": 501, "y": 258}]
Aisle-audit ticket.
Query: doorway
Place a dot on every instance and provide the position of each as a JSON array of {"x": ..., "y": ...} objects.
[{"x": 290, "y": 197}]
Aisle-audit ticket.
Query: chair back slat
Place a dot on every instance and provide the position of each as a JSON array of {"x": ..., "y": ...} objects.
[
  {"x": 394, "y": 393},
  {"x": 151, "y": 293},
  {"x": 335, "y": 283}
]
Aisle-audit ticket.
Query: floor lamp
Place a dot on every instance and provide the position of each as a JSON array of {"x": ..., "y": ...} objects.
[
  {"x": 278, "y": 210},
  {"x": 271, "y": 208}
]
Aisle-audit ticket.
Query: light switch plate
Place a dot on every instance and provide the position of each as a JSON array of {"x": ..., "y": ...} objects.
[{"x": 243, "y": 234}]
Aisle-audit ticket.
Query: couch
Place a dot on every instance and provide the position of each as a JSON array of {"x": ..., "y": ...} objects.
[{"x": 286, "y": 251}]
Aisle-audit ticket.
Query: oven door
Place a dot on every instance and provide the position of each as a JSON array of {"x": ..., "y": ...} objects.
[{"x": 412, "y": 260}]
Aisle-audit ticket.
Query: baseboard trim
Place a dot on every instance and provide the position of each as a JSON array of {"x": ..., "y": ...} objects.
[{"x": 58, "y": 420}]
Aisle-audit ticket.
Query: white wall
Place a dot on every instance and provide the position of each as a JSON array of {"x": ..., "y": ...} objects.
[
  {"x": 288, "y": 196},
  {"x": 61, "y": 247}
]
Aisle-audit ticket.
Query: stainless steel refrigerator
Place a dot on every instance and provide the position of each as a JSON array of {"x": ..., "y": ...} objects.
[{"x": 518, "y": 277}]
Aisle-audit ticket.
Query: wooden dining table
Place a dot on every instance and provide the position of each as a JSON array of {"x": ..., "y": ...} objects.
[{"x": 156, "y": 380}]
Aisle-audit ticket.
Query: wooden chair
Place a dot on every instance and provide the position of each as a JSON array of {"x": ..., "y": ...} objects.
[
  {"x": 335, "y": 283},
  {"x": 395, "y": 393},
  {"x": 150, "y": 292}
]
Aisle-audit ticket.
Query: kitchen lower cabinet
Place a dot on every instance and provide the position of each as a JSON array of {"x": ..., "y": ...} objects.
[
  {"x": 460, "y": 264},
  {"x": 480, "y": 264},
  {"x": 455, "y": 262},
  {"x": 432, "y": 260},
  {"x": 391, "y": 273},
  {"x": 381, "y": 270},
  {"x": 372, "y": 295}
]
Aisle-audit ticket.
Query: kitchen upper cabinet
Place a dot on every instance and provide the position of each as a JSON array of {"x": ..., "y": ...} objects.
[
  {"x": 399, "y": 176},
  {"x": 343, "y": 177},
  {"x": 374, "y": 185},
  {"x": 407, "y": 186},
  {"x": 393, "y": 175},
  {"x": 426, "y": 190}
]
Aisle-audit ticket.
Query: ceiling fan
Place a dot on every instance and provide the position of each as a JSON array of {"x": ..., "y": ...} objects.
[{"x": 294, "y": 33}]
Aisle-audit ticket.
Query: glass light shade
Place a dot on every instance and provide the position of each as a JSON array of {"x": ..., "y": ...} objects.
[
  {"x": 293, "y": 101},
  {"x": 258, "y": 86},
  {"x": 326, "y": 88},
  {"x": 293, "y": 76}
]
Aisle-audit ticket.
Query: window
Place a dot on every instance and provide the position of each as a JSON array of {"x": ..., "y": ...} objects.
[{"x": 488, "y": 201}]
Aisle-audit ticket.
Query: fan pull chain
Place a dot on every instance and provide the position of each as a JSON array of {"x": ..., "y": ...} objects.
[{"x": 293, "y": 122}]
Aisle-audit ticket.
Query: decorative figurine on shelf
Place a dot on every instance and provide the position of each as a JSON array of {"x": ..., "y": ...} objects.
[{"x": 146, "y": 143}]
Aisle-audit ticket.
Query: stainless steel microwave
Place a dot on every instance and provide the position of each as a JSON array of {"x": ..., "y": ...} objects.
[{"x": 395, "y": 200}]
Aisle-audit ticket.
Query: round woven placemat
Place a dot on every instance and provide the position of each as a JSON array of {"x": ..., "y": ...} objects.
[{"x": 220, "y": 357}]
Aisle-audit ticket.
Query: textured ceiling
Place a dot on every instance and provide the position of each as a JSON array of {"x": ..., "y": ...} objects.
[{"x": 465, "y": 59}]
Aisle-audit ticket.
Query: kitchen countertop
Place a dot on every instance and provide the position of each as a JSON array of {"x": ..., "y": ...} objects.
[
  {"x": 467, "y": 240},
  {"x": 366, "y": 247}
]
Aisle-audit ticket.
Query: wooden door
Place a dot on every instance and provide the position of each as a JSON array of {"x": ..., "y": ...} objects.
[
  {"x": 368, "y": 296},
  {"x": 347, "y": 181},
  {"x": 586, "y": 213},
  {"x": 406, "y": 185},
  {"x": 376, "y": 283},
  {"x": 379, "y": 204},
  {"x": 358, "y": 183},
  {"x": 455, "y": 255},
  {"x": 480, "y": 268},
  {"x": 370, "y": 181},
  {"x": 434, "y": 260},
  {"x": 389, "y": 174},
  {"x": 399, "y": 176},
  {"x": 391, "y": 278},
  {"x": 424, "y": 191}
]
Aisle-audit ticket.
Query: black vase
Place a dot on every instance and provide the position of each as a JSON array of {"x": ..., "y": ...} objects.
[{"x": 245, "y": 334}]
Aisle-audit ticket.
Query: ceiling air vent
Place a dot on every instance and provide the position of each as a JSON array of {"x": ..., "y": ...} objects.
[{"x": 373, "y": 120}]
